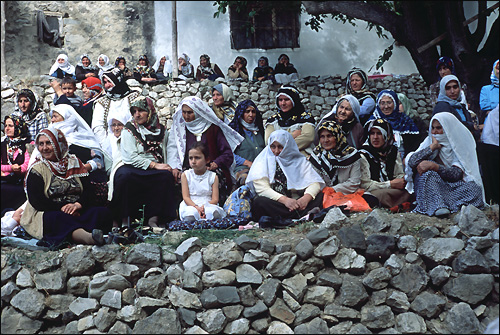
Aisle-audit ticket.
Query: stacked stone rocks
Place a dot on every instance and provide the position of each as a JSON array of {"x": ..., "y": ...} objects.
[
  {"x": 318, "y": 94},
  {"x": 342, "y": 277}
]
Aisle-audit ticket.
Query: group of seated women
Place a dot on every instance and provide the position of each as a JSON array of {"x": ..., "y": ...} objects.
[{"x": 127, "y": 165}]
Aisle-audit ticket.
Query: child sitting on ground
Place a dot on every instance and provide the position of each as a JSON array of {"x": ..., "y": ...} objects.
[{"x": 200, "y": 188}]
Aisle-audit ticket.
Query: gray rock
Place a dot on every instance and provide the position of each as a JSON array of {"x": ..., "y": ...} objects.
[
  {"x": 104, "y": 319},
  {"x": 52, "y": 282},
  {"x": 441, "y": 250},
  {"x": 13, "y": 322},
  {"x": 330, "y": 278},
  {"x": 319, "y": 295},
  {"x": 218, "y": 277},
  {"x": 30, "y": 302},
  {"x": 304, "y": 249},
  {"x": 462, "y": 320},
  {"x": 394, "y": 264},
  {"x": 428, "y": 305},
  {"x": 296, "y": 286},
  {"x": 310, "y": 265},
  {"x": 221, "y": 255},
  {"x": 379, "y": 247},
  {"x": 428, "y": 232},
  {"x": 469, "y": 288},
  {"x": 168, "y": 255},
  {"x": 24, "y": 279},
  {"x": 232, "y": 312},
  {"x": 78, "y": 285},
  {"x": 187, "y": 317},
  {"x": 470, "y": 261},
  {"x": 318, "y": 235},
  {"x": 279, "y": 310},
  {"x": 495, "y": 234},
  {"x": 479, "y": 242},
  {"x": 411, "y": 280},
  {"x": 152, "y": 286},
  {"x": 378, "y": 297},
  {"x": 410, "y": 323},
  {"x": 343, "y": 328},
  {"x": 407, "y": 243},
  {"x": 212, "y": 320},
  {"x": 440, "y": 274},
  {"x": 398, "y": 301},
  {"x": 247, "y": 274},
  {"x": 352, "y": 292},
  {"x": 474, "y": 222},
  {"x": 260, "y": 325},
  {"x": 290, "y": 301},
  {"x": 377, "y": 317},
  {"x": 9, "y": 290},
  {"x": 98, "y": 286},
  {"x": 258, "y": 308},
  {"x": 191, "y": 281},
  {"x": 112, "y": 298},
  {"x": 359, "y": 329},
  {"x": 246, "y": 295},
  {"x": 278, "y": 327},
  {"x": 80, "y": 262},
  {"x": 194, "y": 263},
  {"x": 491, "y": 257},
  {"x": 118, "y": 328},
  {"x": 305, "y": 313},
  {"x": 281, "y": 264},
  {"x": 282, "y": 247},
  {"x": 378, "y": 221},
  {"x": 240, "y": 326},
  {"x": 219, "y": 296},
  {"x": 129, "y": 271},
  {"x": 327, "y": 248},
  {"x": 150, "y": 303},
  {"x": 334, "y": 219},
  {"x": 163, "y": 321},
  {"x": 266, "y": 246},
  {"x": 246, "y": 243},
  {"x": 255, "y": 257},
  {"x": 83, "y": 306},
  {"x": 182, "y": 298},
  {"x": 107, "y": 254},
  {"x": 267, "y": 291},
  {"x": 352, "y": 237},
  {"x": 175, "y": 272},
  {"x": 315, "y": 326},
  {"x": 144, "y": 255},
  {"x": 342, "y": 312},
  {"x": 72, "y": 328},
  {"x": 347, "y": 259},
  {"x": 377, "y": 279},
  {"x": 130, "y": 313},
  {"x": 128, "y": 296},
  {"x": 85, "y": 323},
  {"x": 195, "y": 330}
]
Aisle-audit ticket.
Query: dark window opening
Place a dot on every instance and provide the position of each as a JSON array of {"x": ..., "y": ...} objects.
[
  {"x": 269, "y": 29},
  {"x": 49, "y": 29}
]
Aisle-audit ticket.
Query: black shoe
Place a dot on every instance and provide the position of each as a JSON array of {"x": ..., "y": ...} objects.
[{"x": 98, "y": 237}]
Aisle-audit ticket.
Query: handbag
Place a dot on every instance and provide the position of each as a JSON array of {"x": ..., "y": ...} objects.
[{"x": 239, "y": 203}]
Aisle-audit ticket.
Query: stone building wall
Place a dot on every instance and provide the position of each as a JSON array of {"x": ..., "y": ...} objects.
[
  {"x": 318, "y": 94},
  {"x": 112, "y": 28}
]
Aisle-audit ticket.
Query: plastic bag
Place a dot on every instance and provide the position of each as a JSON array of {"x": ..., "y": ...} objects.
[{"x": 354, "y": 202}]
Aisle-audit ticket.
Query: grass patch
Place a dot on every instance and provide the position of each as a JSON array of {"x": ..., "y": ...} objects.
[{"x": 206, "y": 236}]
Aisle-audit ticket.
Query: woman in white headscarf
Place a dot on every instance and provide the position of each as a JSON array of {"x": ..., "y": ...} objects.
[
  {"x": 448, "y": 171},
  {"x": 346, "y": 114},
  {"x": 186, "y": 69},
  {"x": 286, "y": 183},
  {"x": 62, "y": 68},
  {"x": 163, "y": 68},
  {"x": 103, "y": 64},
  {"x": 195, "y": 121}
]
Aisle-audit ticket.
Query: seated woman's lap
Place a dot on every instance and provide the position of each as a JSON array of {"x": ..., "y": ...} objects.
[{"x": 262, "y": 206}]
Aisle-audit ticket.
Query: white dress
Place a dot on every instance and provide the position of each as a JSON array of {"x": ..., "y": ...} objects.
[{"x": 200, "y": 192}]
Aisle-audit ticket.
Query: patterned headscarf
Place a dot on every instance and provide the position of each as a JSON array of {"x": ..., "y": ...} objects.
[
  {"x": 237, "y": 124},
  {"x": 21, "y": 136},
  {"x": 446, "y": 61},
  {"x": 265, "y": 59},
  {"x": 143, "y": 69},
  {"x": 90, "y": 67},
  {"x": 364, "y": 92},
  {"x": 33, "y": 109},
  {"x": 206, "y": 70},
  {"x": 228, "y": 106},
  {"x": 120, "y": 88},
  {"x": 117, "y": 61},
  {"x": 400, "y": 122},
  {"x": 494, "y": 75},
  {"x": 341, "y": 156},
  {"x": 187, "y": 69},
  {"x": 67, "y": 165},
  {"x": 382, "y": 160},
  {"x": 297, "y": 114}
]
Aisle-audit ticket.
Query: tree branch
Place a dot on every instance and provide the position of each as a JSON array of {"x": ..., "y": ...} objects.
[
  {"x": 478, "y": 35},
  {"x": 365, "y": 11}
]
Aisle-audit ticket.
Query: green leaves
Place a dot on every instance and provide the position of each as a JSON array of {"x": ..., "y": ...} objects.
[{"x": 384, "y": 57}]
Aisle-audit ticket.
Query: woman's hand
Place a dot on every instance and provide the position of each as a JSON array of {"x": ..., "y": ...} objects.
[
  {"x": 304, "y": 201},
  {"x": 88, "y": 167},
  {"x": 398, "y": 183},
  {"x": 90, "y": 74},
  {"x": 177, "y": 175},
  {"x": 247, "y": 163},
  {"x": 290, "y": 203},
  {"x": 72, "y": 209},
  {"x": 296, "y": 133},
  {"x": 16, "y": 168},
  {"x": 162, "y": 166},
  {"x": 213, "y": 166},
  {"x": 425, "y": 166},
  {"x": 435, "y": 144}
]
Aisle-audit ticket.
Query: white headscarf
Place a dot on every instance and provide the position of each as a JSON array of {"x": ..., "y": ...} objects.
[
  {"x": 106, "y": 65},
  {"x": 352, "y": 101},
  {"x": 75, "y": 128},
  {"x": 66, "y": 66},
  {"x": 167, "y": 68},
  {"x": 204, "y": 118},
  {"x": 298, "y": 170},
  {"x": 458, "y": 149}
]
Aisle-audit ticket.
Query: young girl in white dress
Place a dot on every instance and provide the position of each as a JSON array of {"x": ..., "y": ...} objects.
[{"x": 200, "y": 188}]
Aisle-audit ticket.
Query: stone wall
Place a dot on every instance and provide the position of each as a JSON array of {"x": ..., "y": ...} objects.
[
  {"x": 112, "y": 28},
  {"x": 344, "y": 276},
  {"x": 318, "y": 94}
]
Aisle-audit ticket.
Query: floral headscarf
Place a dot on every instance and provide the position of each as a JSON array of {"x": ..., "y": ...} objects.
[
  {"x": 228, "y": 106},
  {"x": 297, "y": 114},
  {"x": 446, "y": 61},
  {"x": 238, "y": 123},
  {"x": 342, "y": 156},
  {"x": 399, "y": 121},
  {"x": 67, "y": 165},
  {"x": 364, "y": 92},
  {"x": 33, "y": 109},
  {"x": 143, "y": 69},
  {"x": 21, "y": 137}
]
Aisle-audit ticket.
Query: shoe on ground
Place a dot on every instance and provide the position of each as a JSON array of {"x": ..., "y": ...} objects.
[
  {"x": 442, "y": 212},
  {"x": 98, "y": 237}
]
